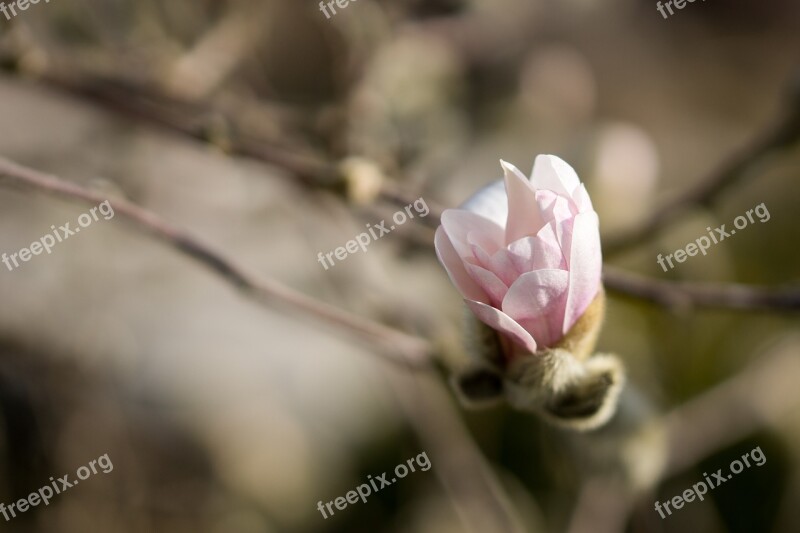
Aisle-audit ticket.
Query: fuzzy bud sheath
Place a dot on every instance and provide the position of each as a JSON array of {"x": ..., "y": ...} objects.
[{"x": 525, "y": 255}]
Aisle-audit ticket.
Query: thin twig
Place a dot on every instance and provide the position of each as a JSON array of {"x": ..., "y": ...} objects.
[
  {"x": 683, "y": 295},
  {"x": 192, "y": 119},
  {"x": 396, "y": 345},
  {"x": 783, "y": 132},
  {"x": 464, "y": 473},
  {"x": 199, "y": 120}
]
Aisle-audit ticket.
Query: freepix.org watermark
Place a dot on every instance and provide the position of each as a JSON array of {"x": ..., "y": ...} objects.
[
  {"x": 341, "y": 3},
  {"x": 679, "y": 4},
  {"x": 60, "y": 234},
  {"x": 46, "y": 493},
  {"x": 12, "y": 7},
  {"x": 364, "y": 239},
  {"x": 700, "y": 489},
  {"x": 364, "y": 490},
  {"x": 719, "y": 234}
]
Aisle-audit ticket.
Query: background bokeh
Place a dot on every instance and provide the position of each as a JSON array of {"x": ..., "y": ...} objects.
[{"x": 266, "y": 130}]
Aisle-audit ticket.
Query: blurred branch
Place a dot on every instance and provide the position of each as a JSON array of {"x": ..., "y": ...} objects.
[
  {"x": 782, "y": 133},
  {"x": 480, "y": 499},
  {"x": 680, "y": 294},
  {"x": 397, "y": 346},
  {"x": 205, "y": 121},
  {"x": 603, "y": 506},
  {"x": 199, "y": 120},
  {"x": 759, "y": 394},
  {"x": 763, "y": 393},
  {"x": 478, "y": 496}
]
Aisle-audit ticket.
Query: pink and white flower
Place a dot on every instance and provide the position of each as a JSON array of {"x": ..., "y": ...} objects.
[{"x": 525, "y": 253}]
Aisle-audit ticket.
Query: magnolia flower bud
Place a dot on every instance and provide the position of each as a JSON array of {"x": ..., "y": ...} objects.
[{"x": 526, "y": 258}]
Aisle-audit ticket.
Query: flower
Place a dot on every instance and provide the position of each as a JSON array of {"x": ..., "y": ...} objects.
[{"x": 525, "y": 255}]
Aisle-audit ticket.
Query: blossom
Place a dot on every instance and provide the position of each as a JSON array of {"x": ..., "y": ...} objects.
[{"x": 525, "y": 253}]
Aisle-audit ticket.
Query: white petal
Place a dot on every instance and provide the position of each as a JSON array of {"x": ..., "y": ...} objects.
[
  {"x": 581, "y": 200},
  {"x": 490, "y": 202},
  {"x": 553, "y": 174},
  {"x": 464, "y": 226},
  {"x": 585, "y": 263}
]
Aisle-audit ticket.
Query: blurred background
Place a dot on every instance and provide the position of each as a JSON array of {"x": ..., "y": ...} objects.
[{"x": 273, "y": 133}]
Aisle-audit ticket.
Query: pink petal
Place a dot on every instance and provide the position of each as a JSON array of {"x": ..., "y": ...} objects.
[
  {"x": 454, "y": 266},
  {"x": 566, "y": 229},
  {"x": 490, "y": 202},
  {"x": 585, "y": 263},
  {"x": 502, "y": 265},
  {"x": 481, "y": 257},
  {"x": 524, "y": 218},
  {"x": 563, "y": 233},
  {"x": 553, "y": 174},
  {"x": 536, "y": 253},
  {"x": 462, "y": 226},
  {"x": 489, "y": 282},
  {"x": 553, "y": 207},
  {"x": 498, "y": 320},
  {"x": 485, "y": 241},
  {"x": 537, "y": 301}
]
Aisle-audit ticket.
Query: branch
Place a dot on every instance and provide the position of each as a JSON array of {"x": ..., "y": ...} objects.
[
  {"x": 397, "y": 346},
  {"x": 477, "y": 494},
  {"x": 602, "y": 506},
  {"x": 479, "y": 498},
  {"x": 202, "y": 121},
  {"x": 760, "y": 394},
  {"x": 197, "y": 120},
  {"x": 784, "y": 132},
  {"x": 679, "y": 294}
]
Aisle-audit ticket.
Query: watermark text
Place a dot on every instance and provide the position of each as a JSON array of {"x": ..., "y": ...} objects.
[
  {"x": 702, "y": 244},
  {"x": 56, "y": 486},
  {"x": 365, "y": 489},
  {"x": 60, "y": 234},
  {"x": 700, "y": 489}
]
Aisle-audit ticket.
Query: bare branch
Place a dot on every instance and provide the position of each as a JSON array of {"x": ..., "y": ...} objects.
[
  {"x": 196, "y": 120},
  {"x": 479, "y": 497},
  {"x": 603, "y": 506},
  {"x": 201, "y": 119},
  {"x": 682, "y": 295},
  {"x": 398, "y": 346},
  {"x": 784, "y": 132}
]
